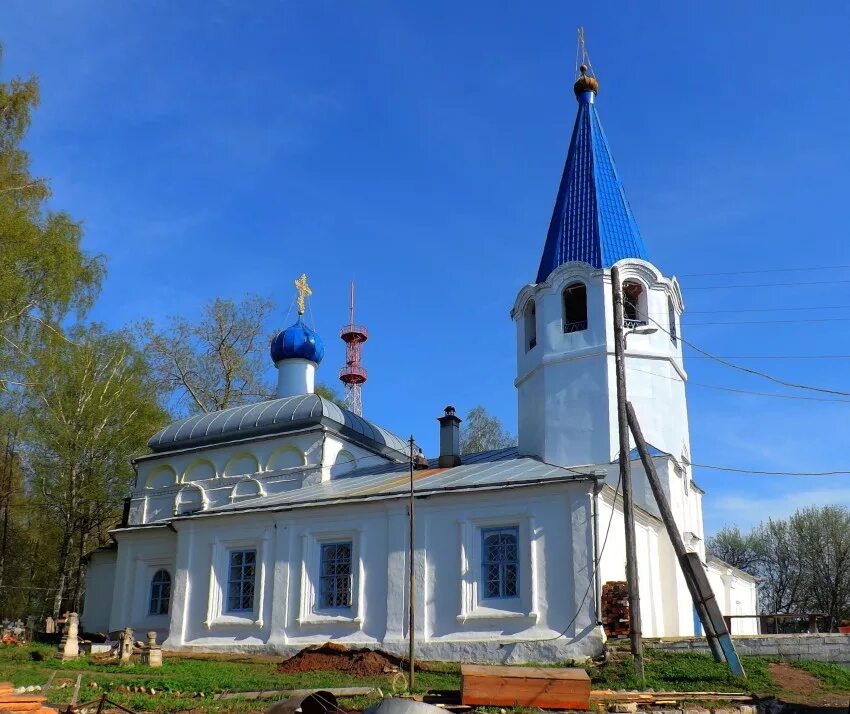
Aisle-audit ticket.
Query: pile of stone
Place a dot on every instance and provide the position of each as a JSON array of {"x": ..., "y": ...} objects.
[{"x": 615, "y": 609}]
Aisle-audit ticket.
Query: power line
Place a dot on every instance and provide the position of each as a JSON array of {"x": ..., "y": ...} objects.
[
  {"x": 749, "y": 370},
  {"x": 766, "y": 285},
  {"x": 770, "y": 309},
  {"x": 756, "y": 472},
  {"x": 766, "y": 270},
  {"x": 768, "y": 356},
  {"x": 806, "y": 321},
  {"x": 741, "y": 391}
]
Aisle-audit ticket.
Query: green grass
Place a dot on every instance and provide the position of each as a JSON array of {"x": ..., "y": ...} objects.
[
  {"x": 664, "y": 671},
  {"x": 835, "y": 677},
  {"x": 189, "y": 677},
  {"x": 684, "y": 672}
]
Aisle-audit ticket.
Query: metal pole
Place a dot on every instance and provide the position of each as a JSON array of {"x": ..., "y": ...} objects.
[
  {"x": 626, "y": 476},
  {"x": 410, "y": 614}
]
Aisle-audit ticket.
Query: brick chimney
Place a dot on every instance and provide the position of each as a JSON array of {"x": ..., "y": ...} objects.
[{"x": 449, "y": 439}]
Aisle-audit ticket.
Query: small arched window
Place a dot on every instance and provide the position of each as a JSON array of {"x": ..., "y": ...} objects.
[
  {"x": 160, "y": 593},
  {"x": 575, "y": 307},
  {"x": 671, "y": 317},
  {"x": 634, "y": 304},
  {"x": 530, "y": 325}
]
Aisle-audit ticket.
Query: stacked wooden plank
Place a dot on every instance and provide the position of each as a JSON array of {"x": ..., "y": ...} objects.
[
  {"x": 615, "y": 608},
  {"x": 544, "y": 687},
  {"x": 14, "y": 703}
]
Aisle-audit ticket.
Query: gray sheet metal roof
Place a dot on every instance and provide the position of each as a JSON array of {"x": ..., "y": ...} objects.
[
  {"x": 275, "y": 416},
  {"x": 488, "y": 469}
]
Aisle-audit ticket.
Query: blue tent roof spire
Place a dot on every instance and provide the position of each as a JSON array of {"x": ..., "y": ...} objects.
[{"x": 592, "y": 221}]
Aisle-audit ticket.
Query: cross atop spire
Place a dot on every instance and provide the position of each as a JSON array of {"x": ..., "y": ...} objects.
[
  {"x": 304, "y": 292},
  {"x": 592, "y": 221}
]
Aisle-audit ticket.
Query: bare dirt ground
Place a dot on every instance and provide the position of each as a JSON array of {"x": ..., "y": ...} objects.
[
  {"x": 797, "y": 686},
  {"x": 337, "y": 658}
]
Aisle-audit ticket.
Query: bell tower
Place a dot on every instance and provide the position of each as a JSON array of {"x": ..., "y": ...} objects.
[{"x": 564, "y": 319}]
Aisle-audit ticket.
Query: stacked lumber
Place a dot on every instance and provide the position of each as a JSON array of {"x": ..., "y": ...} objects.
[
  {"x": 12, "y": 703},
  {"x": 543, "y": 687},
  {"x": 598, "y": 696},
  {"x": 615, "y": 608}
]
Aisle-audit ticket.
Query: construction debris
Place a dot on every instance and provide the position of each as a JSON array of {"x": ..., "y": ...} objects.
[
  {"x": 29, "y": 702},
  {"x": 615, "y": 608}
]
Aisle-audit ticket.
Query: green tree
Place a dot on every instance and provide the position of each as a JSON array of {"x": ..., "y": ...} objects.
[
  {"x": 482, "y": 432},
  {"x": 43, "y": 271},
  {"x": 94, "y": 405},
  {"x": 219, "y": 361},
  {"x": 823, "y": 538},
  {"x": 741, "y": 550}
]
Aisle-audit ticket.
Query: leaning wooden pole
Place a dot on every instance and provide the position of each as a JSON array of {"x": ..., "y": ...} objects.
[
  {"x": 635, "y": 634},
  {"x": 719, "y": 639}
]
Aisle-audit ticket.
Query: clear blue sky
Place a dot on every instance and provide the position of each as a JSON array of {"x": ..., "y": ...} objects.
[{"x": 222, "y": 148}]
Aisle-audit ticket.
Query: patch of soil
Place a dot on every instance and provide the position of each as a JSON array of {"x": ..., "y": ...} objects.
[
  {"x": 799, "y": 687},
  {"x": 338, "y": 658},
  {"x": 793, "y": 679}
]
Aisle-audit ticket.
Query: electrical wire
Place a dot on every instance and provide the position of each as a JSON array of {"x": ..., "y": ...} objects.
[
  {"x": 769, "y": 356},
  {"x": 741, "y": 391},
  {"x": 769, "y": 309},
  {"x": 747, "y": 370},
  {"x": 767, "y": 285},
  {"x": 590, "y": 582},
  {"x": 807, "y": 321},
  {"x": 765, "y": 270},
  {"x": 756, "y": 472}
]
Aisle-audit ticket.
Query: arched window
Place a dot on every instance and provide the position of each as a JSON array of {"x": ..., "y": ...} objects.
[
  {"x": 160, "y": 593},
  {"x": 575, "y": 307},
  {"x": 634, "y": 304},
  {"x": 671, "y": 316},
  {"x": 530, "y": 326}
]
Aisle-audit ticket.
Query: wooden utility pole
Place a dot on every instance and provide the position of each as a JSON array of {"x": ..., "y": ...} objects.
[
  {"x": 410, "y": 613},
  {"x": 716, "y": 631},
  {"x": 626, "y": 476}
]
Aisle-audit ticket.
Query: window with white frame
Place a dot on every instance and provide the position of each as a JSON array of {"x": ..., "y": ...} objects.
[
  {"x": 332, "y": 577},
  {"x": 160, "y": 593},
  {"x": 499, "y": 562},
  {"x": 498, "y": 559},
  {"x": 335, "y": 578},
  {"x": 240, "y": 580}
]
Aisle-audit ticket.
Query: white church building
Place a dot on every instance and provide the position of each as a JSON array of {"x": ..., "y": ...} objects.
[{"x": 274, "y": 525}]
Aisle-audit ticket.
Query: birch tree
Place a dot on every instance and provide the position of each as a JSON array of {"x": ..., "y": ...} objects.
[
  {"x": 44, "y": 273},
  {"x": 93, "y": 408}
]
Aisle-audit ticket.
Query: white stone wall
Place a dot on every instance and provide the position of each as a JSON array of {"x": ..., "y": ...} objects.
[
  {"x": 452, "y": 619},
  {"x": 141, "y": 552},
  {"x": 736, "y": 594},
  {"x": 203, "y": 478},
  {"x": 100, "y": 581}
]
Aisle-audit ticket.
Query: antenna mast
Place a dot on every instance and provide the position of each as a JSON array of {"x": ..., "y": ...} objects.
[{"x": 353, "y": 374}]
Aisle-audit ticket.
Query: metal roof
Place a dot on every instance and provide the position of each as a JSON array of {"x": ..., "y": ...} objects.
[
  {"x": 592, "y": 221},
  {"x": 489, "y": 469},
  {"x": 275, "y": 416}
]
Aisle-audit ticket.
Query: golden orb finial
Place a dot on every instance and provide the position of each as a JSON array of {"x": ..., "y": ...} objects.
[{"x": 585, "y": 83}]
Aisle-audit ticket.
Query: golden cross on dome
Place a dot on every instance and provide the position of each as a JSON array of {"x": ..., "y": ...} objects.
[{"x": 303, "y": 292}]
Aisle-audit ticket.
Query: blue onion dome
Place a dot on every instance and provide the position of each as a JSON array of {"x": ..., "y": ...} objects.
[{"x": 297, "y": 342}]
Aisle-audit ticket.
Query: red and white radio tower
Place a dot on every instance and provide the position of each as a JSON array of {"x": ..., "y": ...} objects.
[{"x": 353, "y": 375}]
